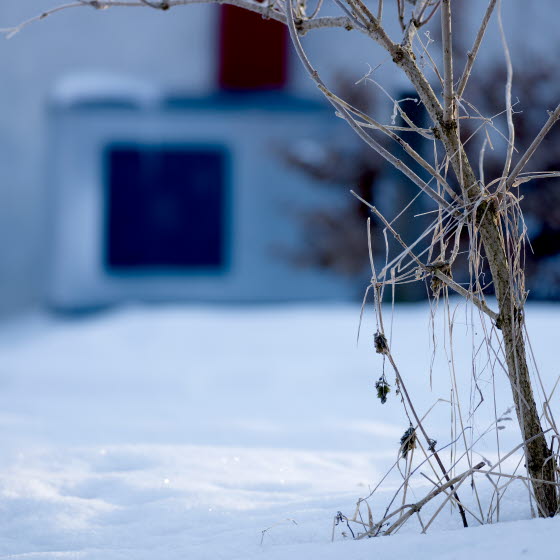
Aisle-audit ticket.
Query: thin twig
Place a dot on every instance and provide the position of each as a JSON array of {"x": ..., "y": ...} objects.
[
  {"x": 552, "y": 118},
  {"x": 509, "y": 109},
  {"x": 253, "y": 6},
  {"x": 472, "y": 54},
  {"x": 448, "y": 104},
  {"x": 443, "y": 277},
  {"x": 413, "y": 508}
]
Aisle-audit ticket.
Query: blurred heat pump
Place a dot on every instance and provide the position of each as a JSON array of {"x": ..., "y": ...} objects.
[{"x": 159, "y": 197}]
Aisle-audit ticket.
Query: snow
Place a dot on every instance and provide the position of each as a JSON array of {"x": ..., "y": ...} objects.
[
  {"x": 87, "y": 87},
  {"x": 185, "y": 432}
]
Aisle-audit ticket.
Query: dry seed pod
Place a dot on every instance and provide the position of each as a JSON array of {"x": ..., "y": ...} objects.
[
  {"x": 408, "y": 441},
  {"x": 436, "y": 284},
  {"x": 381, "y": 346},
  {"x": 383, "y": 389}
]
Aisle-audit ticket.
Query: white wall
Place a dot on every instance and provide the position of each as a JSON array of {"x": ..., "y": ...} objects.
[{"x": 166, "y": 47}]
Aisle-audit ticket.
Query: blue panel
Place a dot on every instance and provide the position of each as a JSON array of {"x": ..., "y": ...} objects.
[{"x": 165, "y": 207}]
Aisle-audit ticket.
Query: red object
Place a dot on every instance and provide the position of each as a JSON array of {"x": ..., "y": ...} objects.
[{"x": 253, "y": 51}]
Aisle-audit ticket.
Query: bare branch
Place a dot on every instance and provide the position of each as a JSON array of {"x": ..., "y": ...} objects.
[
  {"x": 316, "y": 10},
  {"x": 430, "y": 270},
  {"x": 253, "y": 6},
  {"x": 369, "y": 122},
  {"x": 413, "y": 508},
  {"x": 400, "y": 11},
  {"x": 472, "y": 54},
  {"x": 11, "y": 31},
  {"x": 421, "y": 21},
  {"x": 509, "y": 109},
  {"x": 352, "y": 122},
  {"x": 351, "y": 15},
  {"x": 156, "y": 5},
  {"x": 448, "y": 104},
  {"x": 552, "y": 118}
]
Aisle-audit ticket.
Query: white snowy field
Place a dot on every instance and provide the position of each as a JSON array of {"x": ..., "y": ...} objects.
[{"x": 169, "y": 433}]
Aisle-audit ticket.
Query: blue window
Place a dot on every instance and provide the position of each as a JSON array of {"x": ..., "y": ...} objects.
[{"x": 165, "y": 207}]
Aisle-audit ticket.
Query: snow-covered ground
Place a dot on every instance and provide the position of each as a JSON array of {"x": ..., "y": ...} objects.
[{"x": 169, "y": 433}]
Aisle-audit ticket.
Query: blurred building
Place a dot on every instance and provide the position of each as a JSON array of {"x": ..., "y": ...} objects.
[
  {"x": 96, "y": 101},
  {"x": 161, "y": 195}
]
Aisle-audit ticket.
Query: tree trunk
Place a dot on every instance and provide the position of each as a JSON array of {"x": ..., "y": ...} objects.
[{"x": 540, "y": 462}]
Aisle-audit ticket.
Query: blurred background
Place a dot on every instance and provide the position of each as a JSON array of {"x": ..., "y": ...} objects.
[
  {"x": 182, "y": 267},
  {"x": 174, "y": 156}
]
